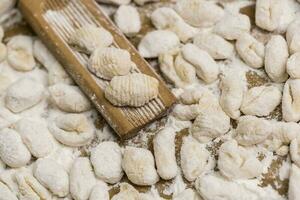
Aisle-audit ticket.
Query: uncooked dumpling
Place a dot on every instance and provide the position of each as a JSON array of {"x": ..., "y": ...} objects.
[{"x": 291, "y": 101}]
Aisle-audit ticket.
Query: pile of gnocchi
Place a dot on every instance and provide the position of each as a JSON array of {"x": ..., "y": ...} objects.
[{"x": 237, "y": 82}]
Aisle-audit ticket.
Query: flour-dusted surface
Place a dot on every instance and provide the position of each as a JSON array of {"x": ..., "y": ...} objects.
[{"x": 271, "y": 158}]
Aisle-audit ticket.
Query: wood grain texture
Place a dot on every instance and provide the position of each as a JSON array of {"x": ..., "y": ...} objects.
[{"x": 55, "y": 20}]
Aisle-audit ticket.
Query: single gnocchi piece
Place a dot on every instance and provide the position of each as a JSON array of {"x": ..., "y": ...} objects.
[
  {"x": 157, "y": 42},
  {"x": 295, "y": 151},
  {"x": 69, "y": 98},
  {"x": 132, "y": 90},
  {"x": 273, "y": 15},
  {"x": 72, "y": 129},
  {"x": 176, "y": 69},
  {"x": 291, "y": 100},
  {"x": 194, "y": 158},
  {"x": 36, "y": 136},
  {"x": 294, "y": 181},
  {"x": 236, "y": 162},
  {"x": 187, "y": 194},
  {"x": 252, "y": 130},
  {"x": 16, "y": 100},
  {"x": 99, "y": 191},
  {"x": 139, "y": 166},
  {"x": 52, "y": 176},
  {"x": 293, "y": 36},
  {"x": 20, "y": 53},
  {"x": 250, "y": 50},
  {"x": 89, "y": 37},
  {"x": 109, "y": 62},
  {"x": 56, "y": 73},
  {"x": 232, "y": 26},
  {"x": 261, "y": 101},
  {"x": 128, "y": 20},
  {"x": 186, "y": 112},
  {"x": 199, "y": 13},
  {"x": 82, "y": 179},
  {"x": 6, "y": 193},
  {"x": 293, "y": 66},
  {"x": 232, "y": 87},
  {"x": 164, "y": 153},
  {"x": 215, "y": 45},
  {"x": 210, "y": 124},
  {"x": 167, "y": 18},
  {"x": 127, "y": 192},
  {"x": 276, "y": 56},
  {"x": 12, "y": 150},
  {"x": 29, "y": 188},
  {"x": 106, "y": 159},
  {"x": 206, "y": 68}
]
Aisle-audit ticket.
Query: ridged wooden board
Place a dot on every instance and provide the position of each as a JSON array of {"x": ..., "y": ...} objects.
[{"x": 55, "y": 20}]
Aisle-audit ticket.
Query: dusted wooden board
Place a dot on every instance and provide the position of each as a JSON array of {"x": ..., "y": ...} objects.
[{"x": 55, "y": 20}]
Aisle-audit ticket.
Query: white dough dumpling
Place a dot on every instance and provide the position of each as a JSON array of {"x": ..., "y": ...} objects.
[
  {"x": 20, "y": 53},
  {"x": 16, "y": 100},
  {"x": 156, "y": 42},
  {"x": 12, "y": 150},
  {"x": 206, "y": 68},
  {"x": 276, "y": 56},
  {"x": 82, "y": 179},
  {"x": 186, "y": 112},
  {"x": 194, "y": 158},
  {"x": 106, "y": 159},
  {"x": 252, "y": 130},
  {"x": 99, "y": 191},
  {"x": 261, "y": 101},
  {"x": 192, "y": 95},
  {"x": 250, "y": 50},
  {"x": 89, "y": 37},
  {"x": 293, "y": 66},
  {"x": 167, "y": 18},
  {"x": 199, "y": 13},
  {"x": 135, "y": 90},
  {"x": 52, "y": 175},
  {"x": 128, "y": 20},
  {"x": 291, "y": 100},
  {"x": 72, "y": 129},
  {"x": 232, "y": 87},
  {"x": 215, "y": 45},
  {"x": 236, "y": 162},
  {"x": 69, "y": 98},
  {"x": 293, "y": 36},
  {"x": 232, "y": 26},
  {"x": 36, "y": 136},
  {"x": 139, "y": 166},
  {"x": 164, "y": 153},
  {"x": 109, "y": 62}
]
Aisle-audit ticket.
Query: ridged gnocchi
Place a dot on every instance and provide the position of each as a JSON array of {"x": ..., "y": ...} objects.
[
  {"x": 106, "y": 159},
  {"x": 261, "y": 101},
  {"x": 109, "y": 62},
  {"x": 276, "y": 56},
  {"x": 89, "y": 37},
  {"x": 132, "y": 90},
  {"x": 69, "y": 98},
  {"x": 236, "y": 162},
  {"x": 206, "y": 68},
  {"x": 72, "y": 129},
  {"x": 250, "y": 50},
  {"x": 139, "y": 166}
]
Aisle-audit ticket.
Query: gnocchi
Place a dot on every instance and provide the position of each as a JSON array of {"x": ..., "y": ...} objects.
[
  {"x": 186, "y": 112},
  {"x": 250, "y": 50},
  {"x": 69, "y": 98},
  {"x": 291, "y": 100},
  {"x": 293, "y": 37},
  {"x": 132, "y": 90},
  {"x": 139, "y": 166},
  {"x": 99, "y": 191},
  {"x": 292, "y": 66},
  {"x": 192, "y": 95},
  {"x": 106, "y": 159},
  {"x": 261, "y": 101},
  {"x": 295, "y": 151},
  {"x": 16, "y": 100},
  {"x": 127, "y": 192},
  {"x": 276, "y": 57},
  {"x": 206, "y": 68},
  {"x": 72, "y": 129}
]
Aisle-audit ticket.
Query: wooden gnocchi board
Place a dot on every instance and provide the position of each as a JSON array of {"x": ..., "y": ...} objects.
[{"x": 55, "y": 20}]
